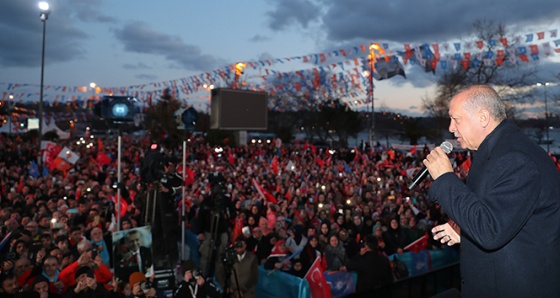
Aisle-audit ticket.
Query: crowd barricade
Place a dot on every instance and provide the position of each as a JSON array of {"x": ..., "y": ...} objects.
[{"x": 280, "y": 284}]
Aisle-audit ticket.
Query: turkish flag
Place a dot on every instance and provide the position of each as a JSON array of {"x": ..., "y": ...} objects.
[
  {"x": 50, "y": 152},
  {"x": 264, "y": 193},
  {"x": 418, "y": 245},
  {"x": 317, "y": 282}
]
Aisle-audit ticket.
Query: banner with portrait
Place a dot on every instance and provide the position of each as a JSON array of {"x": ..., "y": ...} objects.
[{"x": 132, "y": 251}]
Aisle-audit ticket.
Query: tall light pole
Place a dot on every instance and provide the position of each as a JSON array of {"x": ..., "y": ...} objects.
[
  {"x": 546, "y": 115},
  {"x": 239, "y": 69},
  {"x": 10, "y": 110},
  {"x": 44, "y": 15},
  {"x": 372, "y": 60},
  {"x": 92, "y": 85}
]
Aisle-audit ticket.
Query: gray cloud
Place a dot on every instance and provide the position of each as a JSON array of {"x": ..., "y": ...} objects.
[
  {"x": 138, "y": 37},
  {"x": 87, "y": 11},
  {"x": 408, "y": 20},
  {"x": 139, "y": 65},
  {"x": 259, "y": 38},
  {"x": 292, "y": 12},
  {"x": 148, "y": 77},
  {"x": 417, "y": 21}
]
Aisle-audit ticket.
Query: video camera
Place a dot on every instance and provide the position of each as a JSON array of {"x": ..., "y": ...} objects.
[
  {"x": 229, "y": 256},
  {"x": 152, "y": 168},
  {"x": 197, "y": 273},
  {"x": 145, "y": 286},
  {"x": 219, "y": 190}
]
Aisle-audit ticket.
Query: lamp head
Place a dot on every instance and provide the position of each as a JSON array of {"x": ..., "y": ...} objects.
[{"x": 44, "y": 7}]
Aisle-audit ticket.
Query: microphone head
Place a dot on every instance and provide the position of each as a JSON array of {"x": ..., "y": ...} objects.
[{"x": 447, "y": 147}]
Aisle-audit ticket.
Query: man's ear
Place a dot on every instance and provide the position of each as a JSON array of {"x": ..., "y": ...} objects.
[{"x": 484, "y": 117}]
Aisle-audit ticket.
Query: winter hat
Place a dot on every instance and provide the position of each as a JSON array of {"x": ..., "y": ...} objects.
[
  {"x": 84, "y": 270},
  {"x": 40, "y": 278},
  {"x": 135, "y": 278},
  {"x": 188, "y": 265}
]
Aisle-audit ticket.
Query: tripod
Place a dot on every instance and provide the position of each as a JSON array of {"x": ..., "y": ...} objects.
[
  {"x": 213, "y": 243},
  {"x": 164, "y": 226},
  {"x": 214, "y": 246},
  {"x": 229, "y": 268},
  {"x": 152, "y": 194}
]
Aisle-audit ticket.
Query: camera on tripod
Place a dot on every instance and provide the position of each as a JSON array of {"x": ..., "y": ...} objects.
[
  {"x": 219, "y": 191},
  {"x": 153, "y": 166},
  {"x": 229, "y": 256}
]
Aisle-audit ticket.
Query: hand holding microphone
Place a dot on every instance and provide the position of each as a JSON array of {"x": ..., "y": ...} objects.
[{"x": 436, "y": 164}]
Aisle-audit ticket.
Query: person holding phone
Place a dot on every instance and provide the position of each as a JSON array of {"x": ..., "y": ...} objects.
[
  {"x": 100, "y": 246},
  {"x": 102, "y": 272}
]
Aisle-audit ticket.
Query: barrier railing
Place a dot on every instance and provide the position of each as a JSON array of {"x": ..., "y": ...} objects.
[{"x": 427, "y": 273}]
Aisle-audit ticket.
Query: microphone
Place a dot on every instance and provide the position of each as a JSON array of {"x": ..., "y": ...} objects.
[{"x": 447, "y": 148}]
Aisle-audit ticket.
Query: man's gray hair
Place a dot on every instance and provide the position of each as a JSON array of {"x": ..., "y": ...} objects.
[
  {"x": 483, "y": 96},
  {"x": 83, "y": 245}
]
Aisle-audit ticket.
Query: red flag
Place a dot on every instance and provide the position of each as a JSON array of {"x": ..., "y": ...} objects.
[
  {"x": 99, "y": 145},
  {"x": 265, "y": 194},
  {"x": 124, "y": 205},
  {"x": 103, "y": 159},
  {"x": 274, "y": 164},
  {"x": 413, "y": 150},
  {"x": 189, "y": 175},
  {"x": 418, "y": 245},
  {"x": 50, "y": 152},
  {"x": 358, "y": 154},
  {"x": 391, "y": 154},
  {"x": 317, "y": 282},
  {"x": 320, "y": 162},
  {"x": 329, "y": 160},
  {"x": 237, "y": 228},
  {"x": 20, "y": 185},
  {"x": 231, "y": 159},
  {"x": 466, "y": 165}
]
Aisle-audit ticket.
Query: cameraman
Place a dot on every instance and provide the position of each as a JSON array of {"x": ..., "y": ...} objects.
[
  {"x": 165, "y": 227},
  {"x": 214, "y": 215},
  {"x": 245, "y": 271},
  {"x": 194, "y": 284}
]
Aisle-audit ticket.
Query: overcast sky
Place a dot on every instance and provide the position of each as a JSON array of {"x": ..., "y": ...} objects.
[{"x": 132, "y": 42}]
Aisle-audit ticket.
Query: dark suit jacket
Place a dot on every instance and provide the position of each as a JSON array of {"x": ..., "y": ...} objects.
[
  {"x": 374, "y": 272},
  {"x": 509, "y": 215},
  {"x": 123, "y": 268},
  {"x": 247, "y": 274}
]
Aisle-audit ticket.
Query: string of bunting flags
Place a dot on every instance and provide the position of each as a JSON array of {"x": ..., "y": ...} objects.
[{"x": 334, "y": 74}]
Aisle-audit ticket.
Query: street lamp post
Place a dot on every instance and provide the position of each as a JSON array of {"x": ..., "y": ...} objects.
[
  {"x": 372, "y": 48},
  {"x": 92, "y": 85},
  {"x": 44, "y": 7},
  {"x": 239, "y": 70},
  {"x": 10, "y": 110},
  {"x": 546, "y": 116}
]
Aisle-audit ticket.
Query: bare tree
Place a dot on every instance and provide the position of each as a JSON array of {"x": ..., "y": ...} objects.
[{"x": 506, "y": 76}]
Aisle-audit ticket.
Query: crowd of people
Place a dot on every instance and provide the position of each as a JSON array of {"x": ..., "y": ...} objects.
[{"x": 286, "y": 206}]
